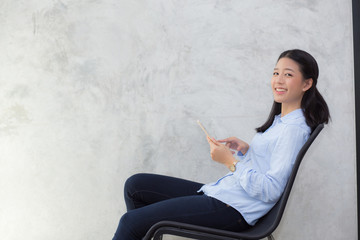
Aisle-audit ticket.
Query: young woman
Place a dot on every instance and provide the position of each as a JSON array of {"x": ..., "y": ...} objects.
[{"x": 258, "y": 172}]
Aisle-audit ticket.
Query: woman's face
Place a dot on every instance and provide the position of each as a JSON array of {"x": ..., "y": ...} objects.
[{"x": 288, "y": 84}]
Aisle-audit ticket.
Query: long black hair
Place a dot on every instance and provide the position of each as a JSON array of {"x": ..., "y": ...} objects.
[{"x": 313, "y": 104}]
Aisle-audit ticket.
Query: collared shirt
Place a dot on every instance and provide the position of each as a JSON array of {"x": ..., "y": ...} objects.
[{"x": 262, "y": 173}]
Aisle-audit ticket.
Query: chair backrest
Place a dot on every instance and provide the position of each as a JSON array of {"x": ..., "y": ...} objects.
[{"x": 267, "y": 224}]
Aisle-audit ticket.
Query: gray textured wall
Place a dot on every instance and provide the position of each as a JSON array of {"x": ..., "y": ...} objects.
[{"x": 93, "y": 91}]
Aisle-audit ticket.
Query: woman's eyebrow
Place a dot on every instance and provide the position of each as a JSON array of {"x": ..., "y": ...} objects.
[{"x": 285, "y": 69}]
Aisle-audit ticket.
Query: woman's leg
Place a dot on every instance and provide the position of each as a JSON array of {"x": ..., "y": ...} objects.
[
  {"x": 197, "y": 209},
  {"x": 152, "y": 198},
  {"x": 143, "y": 189}
]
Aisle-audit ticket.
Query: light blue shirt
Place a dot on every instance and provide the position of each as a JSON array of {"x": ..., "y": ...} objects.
[{"x": 262, "y": 173}]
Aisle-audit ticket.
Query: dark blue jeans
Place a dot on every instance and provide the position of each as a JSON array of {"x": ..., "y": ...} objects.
[{"x": 152, "y": 198}]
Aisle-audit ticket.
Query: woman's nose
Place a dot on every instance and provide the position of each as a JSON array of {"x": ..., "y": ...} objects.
[{"x": 280, "y": 78}]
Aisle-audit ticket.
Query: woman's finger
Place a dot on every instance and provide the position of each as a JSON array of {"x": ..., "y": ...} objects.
[
  {"x": 224, "y": 140},
  {"x": 215, "y": 142},
  {"x": 210, "y": 141}
]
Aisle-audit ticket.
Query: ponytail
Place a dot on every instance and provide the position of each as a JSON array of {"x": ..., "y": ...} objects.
[{"x": 315, "y": 108}]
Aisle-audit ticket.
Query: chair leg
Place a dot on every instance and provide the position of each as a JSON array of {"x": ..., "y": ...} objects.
[{"x": 270, "y": 237}]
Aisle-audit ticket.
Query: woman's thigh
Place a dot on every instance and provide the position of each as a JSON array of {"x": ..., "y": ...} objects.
[
  {"x": 198, "y": 209},
  {"x": 143, "y": 189}
]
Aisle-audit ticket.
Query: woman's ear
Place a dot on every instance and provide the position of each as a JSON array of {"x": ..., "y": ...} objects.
[{"x": 308, "y": 84}]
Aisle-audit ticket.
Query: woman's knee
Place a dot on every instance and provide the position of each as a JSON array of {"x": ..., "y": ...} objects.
[
  {"x": 129, "y": 227},
  {"x": 127, "y": 220},
  {"x": 134, "y": 181}
]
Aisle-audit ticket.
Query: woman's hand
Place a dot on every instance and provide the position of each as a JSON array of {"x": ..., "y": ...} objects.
[
  {"x": 236, "y": 144},
  {"x": 220, "y": 153}
]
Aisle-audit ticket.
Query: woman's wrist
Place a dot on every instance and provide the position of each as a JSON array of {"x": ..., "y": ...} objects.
[
  {"x": 230, "y": 161},
  {"x": 231, "y": 164}
]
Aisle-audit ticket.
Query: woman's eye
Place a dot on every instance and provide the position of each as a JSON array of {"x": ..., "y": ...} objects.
[
  {"x": 275, "y": 74},
  {"x": 288, "y": 74}
]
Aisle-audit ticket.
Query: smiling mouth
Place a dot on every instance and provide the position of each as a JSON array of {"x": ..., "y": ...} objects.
[{"x": 280, "y": 89}]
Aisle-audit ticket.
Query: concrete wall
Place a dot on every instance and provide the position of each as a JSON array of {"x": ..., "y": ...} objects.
[{"x": 92, "y": 91}]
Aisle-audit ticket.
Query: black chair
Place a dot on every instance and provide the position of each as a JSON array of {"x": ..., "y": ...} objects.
[{"x": 262, "y": 229}]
